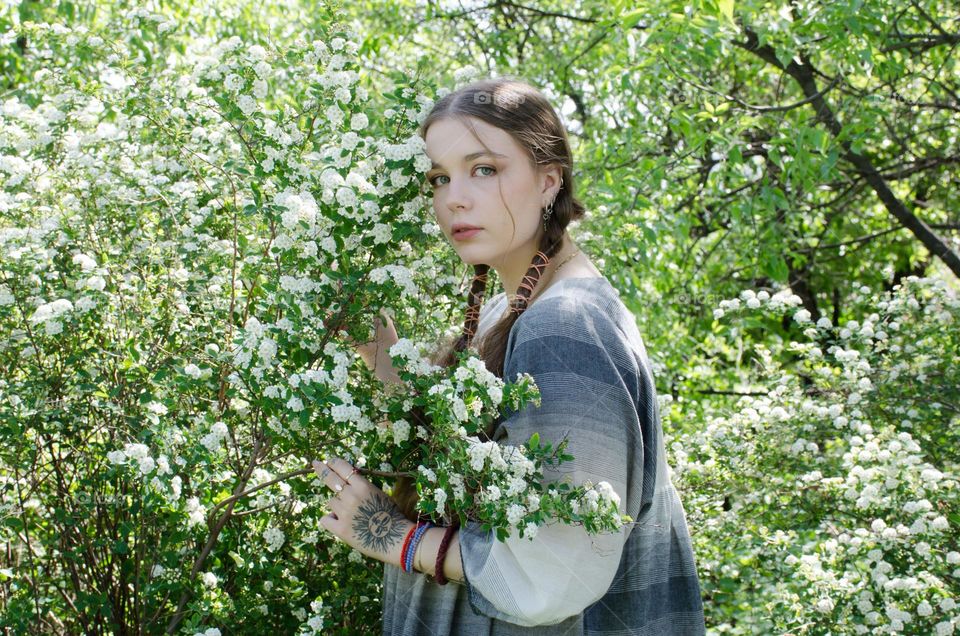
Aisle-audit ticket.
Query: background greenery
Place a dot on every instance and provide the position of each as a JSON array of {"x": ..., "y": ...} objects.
[{"x": 722, "y": 149}]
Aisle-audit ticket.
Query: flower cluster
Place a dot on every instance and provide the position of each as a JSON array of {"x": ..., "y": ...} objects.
[
  {"x": 844, "y": 467},
  {"x": 185, "y": 227},
  {"x": 508, "y": 490}
]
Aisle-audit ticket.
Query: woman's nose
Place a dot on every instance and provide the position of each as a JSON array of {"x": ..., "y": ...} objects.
[{"x": 457, "y": 196}]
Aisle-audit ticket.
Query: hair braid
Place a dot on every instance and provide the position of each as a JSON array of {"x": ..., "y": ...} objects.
[
  {"x": 474, "y": 301},
  {"x": 518, "y": 304}
]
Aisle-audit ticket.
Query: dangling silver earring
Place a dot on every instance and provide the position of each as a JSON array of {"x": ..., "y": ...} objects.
[
  {"x": 546, "y": 215},
  {"x": 549, "y": 209}
]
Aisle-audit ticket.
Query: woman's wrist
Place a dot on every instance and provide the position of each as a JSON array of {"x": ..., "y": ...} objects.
[
  {"x": 388, "y": 373},
  {"x": 425, "y": 556},
  {"x": 418, "y": 554},
  {"x": 396, "y": 556},
  {"x": 429, "y": 549},
  {"x": 381, "y": 364}
]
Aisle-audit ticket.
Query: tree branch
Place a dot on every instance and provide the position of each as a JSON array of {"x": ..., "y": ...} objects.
[
  {"x": 554, "y": 14},
  {"x": 743, "y": 104},
  {"x": 923, "y": 42},
  {"x": 214, "y": 535},
  {"x": 803, "y": 74}
]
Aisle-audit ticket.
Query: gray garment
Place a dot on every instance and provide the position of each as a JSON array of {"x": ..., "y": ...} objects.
[{"x": 582, "y": 346}]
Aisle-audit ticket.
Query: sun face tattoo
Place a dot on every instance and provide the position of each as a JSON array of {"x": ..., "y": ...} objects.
[{"x": 378, "y": 524}]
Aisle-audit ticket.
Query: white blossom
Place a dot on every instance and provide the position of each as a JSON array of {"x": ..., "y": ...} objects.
[{"x": 274, "y": 538}]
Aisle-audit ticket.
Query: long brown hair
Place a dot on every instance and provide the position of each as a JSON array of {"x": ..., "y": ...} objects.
[{"x": 525, "y": 114}]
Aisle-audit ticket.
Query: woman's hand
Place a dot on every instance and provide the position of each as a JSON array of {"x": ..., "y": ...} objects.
[
  {"x": 376, "y": 352},
  {"x": 362, "y": 515}
]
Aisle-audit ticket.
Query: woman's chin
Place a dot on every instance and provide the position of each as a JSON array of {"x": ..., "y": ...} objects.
[{"x": 472, "y": 257}]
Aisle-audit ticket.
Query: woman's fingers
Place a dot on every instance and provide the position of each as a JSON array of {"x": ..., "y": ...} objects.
[
  {"x": 333, "y": 481},
  {"x": 329, "y": 476},
  {"x": 337, "y": 474},
  {"x": 344, "y": 469},
  {"x": 389, "y": 330},
  {"x": 384, "y": 333}
]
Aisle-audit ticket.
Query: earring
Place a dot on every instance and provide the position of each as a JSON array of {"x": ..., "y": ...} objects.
[
  {"x": 546, "y": 215},
  {"x": 549, "y": 209}
]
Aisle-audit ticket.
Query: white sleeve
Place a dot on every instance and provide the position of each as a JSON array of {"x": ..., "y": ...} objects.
[
  {"x": 587, "y": 381},
  {"x": 539, "y": 581}
]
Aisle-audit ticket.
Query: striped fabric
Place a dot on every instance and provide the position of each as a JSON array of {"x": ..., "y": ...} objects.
[{"x": 582, "y": 347}]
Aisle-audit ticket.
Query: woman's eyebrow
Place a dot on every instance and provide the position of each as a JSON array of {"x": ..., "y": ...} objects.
[{"x": 471, "y": 157}]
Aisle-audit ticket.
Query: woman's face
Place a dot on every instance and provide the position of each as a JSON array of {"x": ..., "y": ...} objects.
[{"x": 470, "y": 187}]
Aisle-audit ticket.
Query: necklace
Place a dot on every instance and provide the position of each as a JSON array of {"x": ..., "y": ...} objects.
[{"x": 564, "y": 262}]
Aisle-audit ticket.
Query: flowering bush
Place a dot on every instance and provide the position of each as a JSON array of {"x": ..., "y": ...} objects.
[
  {"x": 187, "y": 222},
  {"x": 840, "y": 505},
  {"x": 508, "y": 480}
]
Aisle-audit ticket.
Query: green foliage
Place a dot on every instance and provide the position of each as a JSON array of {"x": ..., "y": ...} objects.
[{"x": 723, "y": 202}]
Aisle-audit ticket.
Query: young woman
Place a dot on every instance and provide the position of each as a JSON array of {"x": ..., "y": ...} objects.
[{"x": 503, "y": 194}]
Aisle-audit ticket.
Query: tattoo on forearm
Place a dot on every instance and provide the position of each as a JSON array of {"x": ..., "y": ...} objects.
[{"x": 378, "y": 523}]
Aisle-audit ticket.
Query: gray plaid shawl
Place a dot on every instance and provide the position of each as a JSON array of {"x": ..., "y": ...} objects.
[{"x": 582, "y": 346}]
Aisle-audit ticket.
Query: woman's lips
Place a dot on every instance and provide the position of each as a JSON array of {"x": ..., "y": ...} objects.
[{"x": 463, "y": 235}]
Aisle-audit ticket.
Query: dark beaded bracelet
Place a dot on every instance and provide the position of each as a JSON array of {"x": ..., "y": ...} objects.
[{"x": 442, "y": 552}]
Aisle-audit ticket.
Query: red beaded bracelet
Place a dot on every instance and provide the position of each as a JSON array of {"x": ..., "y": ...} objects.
[
  {"x": 406, "y": 542},
  {"x": 442, "y": 552}
]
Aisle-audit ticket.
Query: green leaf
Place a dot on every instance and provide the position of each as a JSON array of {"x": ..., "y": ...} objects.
[
  {"x": 630, "y": 19},
  {"x": 775, "y": 266},
  {"x": 726, "y": 9}
]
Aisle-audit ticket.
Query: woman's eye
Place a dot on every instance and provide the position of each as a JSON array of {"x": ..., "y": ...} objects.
[{"x": 433, "y": 180}]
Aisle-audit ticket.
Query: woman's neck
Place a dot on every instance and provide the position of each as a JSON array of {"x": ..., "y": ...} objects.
[{"x": 568, "y": 262}]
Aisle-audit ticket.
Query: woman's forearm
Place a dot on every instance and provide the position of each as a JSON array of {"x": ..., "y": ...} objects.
[
  {"x": 388, "y": 373},
  {"x": 382, "y": 366},
  {"x": 426, "y": 557}
]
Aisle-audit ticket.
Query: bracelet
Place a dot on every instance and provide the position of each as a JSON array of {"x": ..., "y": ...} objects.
[
  {"x": 417, "y": 561},
  {"x": 411, "y": 546},
  {"x": 442, "y": 552},
  {"x": 406, "y": 541}
]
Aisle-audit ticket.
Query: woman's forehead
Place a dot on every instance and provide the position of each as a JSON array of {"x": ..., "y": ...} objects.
[{"x": 449, "y": 142}]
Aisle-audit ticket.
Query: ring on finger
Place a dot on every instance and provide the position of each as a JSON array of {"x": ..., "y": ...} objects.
[{"x": 352, "y": 473}]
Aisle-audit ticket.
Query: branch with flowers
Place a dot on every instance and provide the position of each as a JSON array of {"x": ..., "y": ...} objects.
[
  {"x": 458, "y": 474},
  {"x": 839, "y": 478},
  {"x": 192, "y": 222}
]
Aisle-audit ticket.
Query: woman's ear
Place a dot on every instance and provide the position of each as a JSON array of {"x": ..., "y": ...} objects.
[{"x": 551, "y": 180}]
